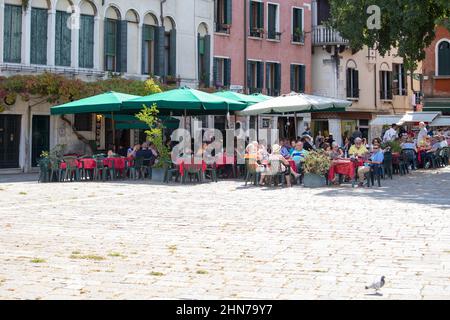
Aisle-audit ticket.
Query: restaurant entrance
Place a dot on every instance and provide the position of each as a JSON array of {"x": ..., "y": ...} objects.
[{"x": 9, "y": 141}]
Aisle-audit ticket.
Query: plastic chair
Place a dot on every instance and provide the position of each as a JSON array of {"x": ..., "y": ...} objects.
[
  {"x": 72, "y": 171},
  {"x": 376, "y": 171},
  {"x": 44, "y": 170},
  {"x": 100, "y": 169},
  {"x": 388, "y": 167}
]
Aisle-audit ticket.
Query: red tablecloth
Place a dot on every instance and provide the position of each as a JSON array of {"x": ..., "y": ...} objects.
[
  {"x": 293, "y": 166},
  {"x": 119, "y": 163},
  {"x": 224, "y": 160},
  {"x": 63, "y": 165},
  {"x": 89, "y": 164},
  {"x": 182, "y": 166},
  {"x": 344, "y": 167}
]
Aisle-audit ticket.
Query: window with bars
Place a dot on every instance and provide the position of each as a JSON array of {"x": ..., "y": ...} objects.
[
  {"x": 352, "y": 83},
  {"x": 256, "y": 19}
]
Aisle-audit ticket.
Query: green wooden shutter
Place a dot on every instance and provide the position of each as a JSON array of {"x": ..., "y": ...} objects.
[
  {"x": 278, "y": 77},
  {"x": 444, "y": 59},
  {"x": 227, "y": 76},
  {"x": 251, "y": 18},
  {"x": 148, "y": 35},
  {"x": 12, "y": 41},
  {"x": 173, "y": 53},
  {"x": 268, "y": 75},
  {"x": 302, "y": 78},
  {"x": 215, "y": 73},
  {"x": 207, "y": 59},
  {"x": 86, "y": 42},
  {"x": 122, "y": 46},
  {"x": 272, "y": 15},
  {"x": 110, "y": 43},
  {"x": 260, "y": 75},
  {"x": 261, "y": 15},
  {"x": 38, "y": 37},
  {"x": 159, "y": 51},
  {"x": 63, "y": 39},
  {"x": 228, "y": 11},
  {"x": 349, "y": 82},
  {"x": 355, "y": 83},
  {"x": 249, "y": 75},
  {"x": 292, "y": 74}
]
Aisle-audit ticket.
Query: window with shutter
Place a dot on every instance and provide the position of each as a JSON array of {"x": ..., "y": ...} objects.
[
  {"x": 223, "y": 15},
  {"x": 148, "y": 41},
  {"x": 110, "y": 45},
  {"x": 352, "y": 83},
  {"x": 12, "y": 39},
  {"x": 298, "y": 78},
  {"x": 272, "y": 22},
  {"x": 297, "y": 26},
  {"x": 256, "y": 19},
  {"x": 385, "y": 85},
  {"x": 63, "y": 39},
  {"x": 38, "y": 38},
  {"x": 444, "y": 59},
  {"x": 86, "y": 42}
]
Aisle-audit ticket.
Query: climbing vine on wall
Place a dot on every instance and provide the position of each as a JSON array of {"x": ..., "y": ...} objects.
[{"x": 57, "y": 89}]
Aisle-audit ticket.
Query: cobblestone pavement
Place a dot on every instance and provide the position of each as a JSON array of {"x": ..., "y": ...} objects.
[{"x": 135, "y": 240}]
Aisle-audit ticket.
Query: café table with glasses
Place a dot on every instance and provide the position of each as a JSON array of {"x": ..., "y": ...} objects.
[{"x": 345, "y": 167}]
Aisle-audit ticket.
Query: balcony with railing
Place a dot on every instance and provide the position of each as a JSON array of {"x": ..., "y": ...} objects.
[{"x": 323, "y": 35}]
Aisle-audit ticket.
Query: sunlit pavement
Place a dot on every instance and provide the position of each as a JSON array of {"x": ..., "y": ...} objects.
[{"x": 136, "y": 240}]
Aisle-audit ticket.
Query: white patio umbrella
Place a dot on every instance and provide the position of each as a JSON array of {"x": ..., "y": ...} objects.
[{"x": 294, "y": 102}]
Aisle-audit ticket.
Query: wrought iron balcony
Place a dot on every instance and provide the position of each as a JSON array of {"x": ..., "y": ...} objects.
[{"x": 323, "y": 35}]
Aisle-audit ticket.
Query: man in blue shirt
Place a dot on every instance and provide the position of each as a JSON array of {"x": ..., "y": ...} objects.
[
  {"x": 285, "y": 148},
  {"x": 377, "y": 158}
]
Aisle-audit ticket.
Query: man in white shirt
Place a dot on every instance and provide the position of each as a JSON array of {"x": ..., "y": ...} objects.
[
  {"x": 391, "y": 134},
  {"x": 423, "y": 133}
]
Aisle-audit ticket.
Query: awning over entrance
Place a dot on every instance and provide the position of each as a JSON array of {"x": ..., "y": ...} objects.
[
  {"x": 442, "y": 121},
  {"x": 419, "y": 117},
  {"x": 386, "y": 120}
]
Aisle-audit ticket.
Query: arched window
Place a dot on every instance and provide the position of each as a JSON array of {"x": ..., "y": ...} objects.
[
  {"x": 148, "y": 44},
  {"x": 443, "y": 58},
  {"x": 352, "y": 78},
  {"x": 113, "y": 45},
  {"x": 86, "y": 34}
]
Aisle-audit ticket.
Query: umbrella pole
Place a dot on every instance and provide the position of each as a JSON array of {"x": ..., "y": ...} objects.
[
  {"x": 295, "y": 125},
  {"x": 113, "y": 130}
]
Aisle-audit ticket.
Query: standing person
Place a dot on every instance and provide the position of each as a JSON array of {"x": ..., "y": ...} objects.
[
  {"x": 356, "y": 134},
  {"x": 330, "y": 139},
  {"x": 423, "y": 133},
  {"x": 307, "y": 131},
  {"x": 391, "y": 134}
]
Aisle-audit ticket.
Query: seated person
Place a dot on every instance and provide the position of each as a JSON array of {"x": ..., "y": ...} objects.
[
  {"x": 358, "y": 149},
  {"x": 335, "y": 152},
  {"x": 299, "y": 154},
  {"x": 307, "y": 143},
  {"x": 132, "y": 151},
  {"x": 111, "y": 154},
  {"x": 285, "y": 148},
  {"x": 409, "y": 145},
  {"x": 278, "y": 164},
  {"x": 376, "y": 158},
  {"x": 444, "y": 142},
  {"x": 122, "y": 151},
  {"x": 147, "y": 155}
]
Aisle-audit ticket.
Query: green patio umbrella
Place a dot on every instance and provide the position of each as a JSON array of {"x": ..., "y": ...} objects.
[
  {"x": 244, "y": 98},
  {"x": 185, "y": 100},
  {"x": 103, "y": 103}
]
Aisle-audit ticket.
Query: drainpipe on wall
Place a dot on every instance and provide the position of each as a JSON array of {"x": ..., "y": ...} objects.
[{"x": 162, "y": 12}]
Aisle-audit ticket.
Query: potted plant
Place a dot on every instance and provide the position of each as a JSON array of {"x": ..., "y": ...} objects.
[
  {"x": 393, "y": 146},
  {"x": 316, "y": 166},
  {"x": 155, "y": 135}
]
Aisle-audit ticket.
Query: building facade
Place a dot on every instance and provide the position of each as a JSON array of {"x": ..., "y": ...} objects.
[
  {"x": 92, "y": 40},
  {"x": 262, "y": 47},
  {"x": 436, "y": 73},
  {"x": 375, "y": 84}
]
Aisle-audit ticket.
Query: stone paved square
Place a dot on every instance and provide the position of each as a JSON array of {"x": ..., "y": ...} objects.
[{"x": 136, "y": 240}]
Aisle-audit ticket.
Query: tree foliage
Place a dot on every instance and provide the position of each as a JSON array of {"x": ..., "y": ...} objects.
[{"x": 408, "y": 25}]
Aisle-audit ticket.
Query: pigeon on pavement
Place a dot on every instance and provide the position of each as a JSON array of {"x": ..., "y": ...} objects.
[{"x": 377, "y": 285}]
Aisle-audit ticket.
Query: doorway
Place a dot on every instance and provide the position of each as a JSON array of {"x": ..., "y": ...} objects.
[
  {"x": 286, "y": 127},
  {"x": 40, "y": 137},
  {"x": 9, "y": 141}
]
